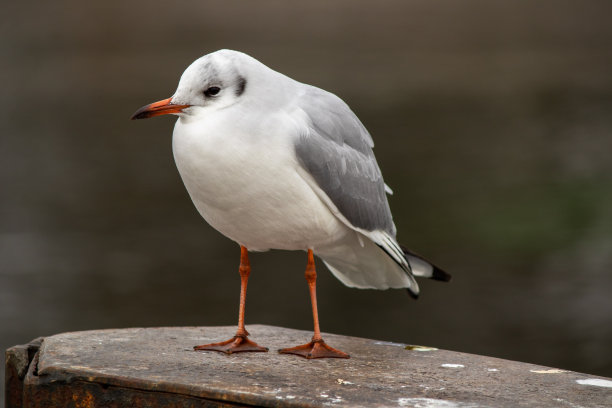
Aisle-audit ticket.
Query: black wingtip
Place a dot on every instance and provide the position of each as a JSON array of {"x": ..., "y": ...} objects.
[
  {"x": 413, "y": 295},
  {"x": 437, "y": 274},
  {"x": 440, "y": 275}
]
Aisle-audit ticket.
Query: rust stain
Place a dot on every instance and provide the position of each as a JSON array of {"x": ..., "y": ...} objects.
[{"x": 86, "y": 401}]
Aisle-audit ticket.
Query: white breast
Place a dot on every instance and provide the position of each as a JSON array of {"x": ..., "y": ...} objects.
[{"x": 244, "y": 182}]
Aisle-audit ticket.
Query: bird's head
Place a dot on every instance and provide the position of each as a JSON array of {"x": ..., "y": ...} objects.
[{"x": 212, "y": 82}]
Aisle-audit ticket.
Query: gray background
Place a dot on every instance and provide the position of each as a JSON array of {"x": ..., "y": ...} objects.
[{"x": 492, "y": 122}]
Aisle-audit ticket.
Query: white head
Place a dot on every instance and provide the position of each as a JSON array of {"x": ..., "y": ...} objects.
[{"x": 212, "y": 82}]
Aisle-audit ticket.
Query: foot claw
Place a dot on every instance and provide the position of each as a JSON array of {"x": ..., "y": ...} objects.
[
  {"x": 236, "y": 344},
  {"x": 315, "y": 349}
]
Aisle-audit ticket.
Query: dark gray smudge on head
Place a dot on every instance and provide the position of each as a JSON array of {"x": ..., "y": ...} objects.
[
  {"x": 209, "y": 74},
  {"x": 241, "y": 86}
]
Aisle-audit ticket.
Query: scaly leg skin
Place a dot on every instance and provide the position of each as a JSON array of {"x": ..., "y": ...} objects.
[
  {"x": 239, "y": 342},
  {"x": 317, "y": 348}
]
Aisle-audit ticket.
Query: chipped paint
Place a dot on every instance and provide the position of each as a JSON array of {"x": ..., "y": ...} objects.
[
  {"x": 492, "y": 370},
  {"x": 550, "y": 371},
  {"x": 343, "y": 382},
  {"x": 389, "y": 343},
  {"x": 428, "y": 388},
  {"x": 453, "y": 365},
  {"x": 414, "y": 347},
  {"x": 568, "y": 403},
  {"x": 274, "y": 391},
  {"x": 432, "y": 403},
  {"x": 597, "y": 382},
  {"x": 285, "y": 397}
]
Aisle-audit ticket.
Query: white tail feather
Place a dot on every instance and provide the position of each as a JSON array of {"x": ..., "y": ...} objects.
[{"x": 367, "y": 267}]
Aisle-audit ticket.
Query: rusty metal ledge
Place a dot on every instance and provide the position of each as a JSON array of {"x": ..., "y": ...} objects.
[{"x": 157, "y": 367}]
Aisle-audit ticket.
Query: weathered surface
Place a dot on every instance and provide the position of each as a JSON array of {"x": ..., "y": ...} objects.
[
  {"x": 158, "y": 367},
  {"x": 18, "y": 360}
]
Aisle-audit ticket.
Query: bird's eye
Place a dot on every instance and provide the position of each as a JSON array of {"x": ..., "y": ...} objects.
[{"x": 212, "y": 91}]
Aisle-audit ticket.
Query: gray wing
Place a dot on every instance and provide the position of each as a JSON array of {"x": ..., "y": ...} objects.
[{"x": 336, "y": 149}]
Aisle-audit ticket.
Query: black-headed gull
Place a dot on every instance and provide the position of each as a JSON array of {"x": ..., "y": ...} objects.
[{"x": 273, "y": 163}]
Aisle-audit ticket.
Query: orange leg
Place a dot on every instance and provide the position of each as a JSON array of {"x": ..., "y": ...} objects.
[
  {"x": 317, "y": 348},
  {"x": 239, "y": 342}
]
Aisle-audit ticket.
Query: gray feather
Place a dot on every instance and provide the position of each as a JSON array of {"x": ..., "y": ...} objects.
[{"x": 336, "y": 150}]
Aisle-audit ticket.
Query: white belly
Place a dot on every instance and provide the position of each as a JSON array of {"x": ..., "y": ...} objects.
[{"x": 250, "y": 191}]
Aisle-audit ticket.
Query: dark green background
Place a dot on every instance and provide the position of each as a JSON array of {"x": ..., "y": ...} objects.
[{"x": 492, "y": 122}]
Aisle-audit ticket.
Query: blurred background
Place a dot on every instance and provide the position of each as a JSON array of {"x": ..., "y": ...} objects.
[{"x": 492, "y": 122}]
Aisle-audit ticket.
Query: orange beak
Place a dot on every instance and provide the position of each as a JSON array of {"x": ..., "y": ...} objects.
[{"x": 162, "y": 107}]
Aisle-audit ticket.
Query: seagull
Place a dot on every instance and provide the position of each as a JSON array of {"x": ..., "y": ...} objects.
[{"x": 273, "y": 163}]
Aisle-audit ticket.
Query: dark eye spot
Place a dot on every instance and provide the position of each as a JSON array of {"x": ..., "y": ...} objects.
[
  {"x": 212, "y": 91},
  {"x": 241, "y": 86}
]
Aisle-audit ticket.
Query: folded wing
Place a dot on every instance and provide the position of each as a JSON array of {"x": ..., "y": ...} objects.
[{"x": 335, "y": 150}]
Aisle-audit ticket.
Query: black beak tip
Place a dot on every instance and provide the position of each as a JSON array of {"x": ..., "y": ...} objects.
[{"x": 140, "y": 114}]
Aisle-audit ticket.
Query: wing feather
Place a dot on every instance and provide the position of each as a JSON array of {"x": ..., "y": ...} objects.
[{"x": 336, "y": 150}]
